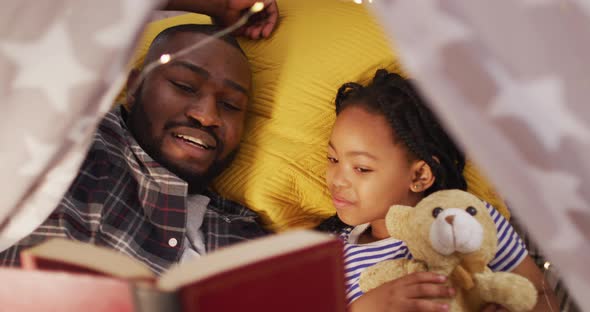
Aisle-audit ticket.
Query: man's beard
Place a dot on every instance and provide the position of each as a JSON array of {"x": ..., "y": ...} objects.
[{"x": 197, "y": 182}]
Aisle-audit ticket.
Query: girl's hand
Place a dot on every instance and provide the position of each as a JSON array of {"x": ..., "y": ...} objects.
[{"x": 413, "y": 292}]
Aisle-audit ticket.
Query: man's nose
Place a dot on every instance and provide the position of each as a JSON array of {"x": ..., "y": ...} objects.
[{"x": 205, "y": 111}]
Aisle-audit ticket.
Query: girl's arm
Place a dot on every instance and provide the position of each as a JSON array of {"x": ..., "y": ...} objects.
[
  {"x": 509, "y": 239},
  {"x": 547, "y": 300}
]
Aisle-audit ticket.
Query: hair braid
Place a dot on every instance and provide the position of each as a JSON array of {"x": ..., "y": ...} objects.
[{"x": 347, "y": 90}]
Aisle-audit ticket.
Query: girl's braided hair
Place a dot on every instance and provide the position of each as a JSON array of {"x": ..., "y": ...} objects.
[{"x": 412, "y": 123}]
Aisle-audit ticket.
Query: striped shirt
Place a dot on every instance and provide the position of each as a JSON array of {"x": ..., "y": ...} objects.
[
  {"x": 357, "y": 257},
  {"x": 124, "y": 200}
]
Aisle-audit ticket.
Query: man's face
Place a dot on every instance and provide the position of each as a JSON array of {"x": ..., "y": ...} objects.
[{"x": 189, "y": 113}]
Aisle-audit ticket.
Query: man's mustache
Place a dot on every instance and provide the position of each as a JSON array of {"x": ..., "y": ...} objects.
[{"x": 195, "y": 124}]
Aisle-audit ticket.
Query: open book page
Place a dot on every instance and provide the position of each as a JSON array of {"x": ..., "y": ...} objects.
[
  {"x": 240, "y": 255},
  {"x": 70, "y": 255}
]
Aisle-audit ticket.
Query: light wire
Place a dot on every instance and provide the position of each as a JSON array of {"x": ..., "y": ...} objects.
[{"x": 167, "y": 57}]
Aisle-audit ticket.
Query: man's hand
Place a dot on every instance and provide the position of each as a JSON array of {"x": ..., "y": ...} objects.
[
  {"x": 412, "y": 292},
  {"x": 259, "y": 25},
  {"x": 227, "y": 12}
]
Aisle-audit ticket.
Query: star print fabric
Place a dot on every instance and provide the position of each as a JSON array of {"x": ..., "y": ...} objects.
[
  {"x": 510, "y": 81},
  {"x": 61, "y": 64}
]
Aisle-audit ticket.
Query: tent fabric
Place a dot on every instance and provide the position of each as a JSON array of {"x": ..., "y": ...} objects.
[
  {"x": 62, "y": 63},
  {"x": 508, "y": 78},
  {"x": 510, "y": 81}
]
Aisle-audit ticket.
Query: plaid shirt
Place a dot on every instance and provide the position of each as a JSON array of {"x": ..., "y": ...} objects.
[{"x": 125, "y": 200}]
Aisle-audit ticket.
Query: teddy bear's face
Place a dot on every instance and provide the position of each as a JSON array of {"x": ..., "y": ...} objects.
[
  {"x": 444, "y": 226},
  {"x": 455, "y": 229}
]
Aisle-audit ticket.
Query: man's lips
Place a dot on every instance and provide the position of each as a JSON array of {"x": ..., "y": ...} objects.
[
  {"x": 197, "y": 138},
  {"x": 194, "y": 151}
]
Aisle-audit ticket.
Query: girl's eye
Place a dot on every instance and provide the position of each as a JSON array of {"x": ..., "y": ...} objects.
[
  {"x": 230, "y": 106},
  {"x": 332, "y": 160},
  {"x": 363, "y": 170},
  {"x": 183, "y": 87}
]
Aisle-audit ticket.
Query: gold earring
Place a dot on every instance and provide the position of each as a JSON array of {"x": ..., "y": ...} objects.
[{"x": 415, "y": 187}]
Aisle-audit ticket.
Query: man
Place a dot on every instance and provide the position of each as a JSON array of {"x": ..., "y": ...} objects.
[{"x": 142, "y": 189}]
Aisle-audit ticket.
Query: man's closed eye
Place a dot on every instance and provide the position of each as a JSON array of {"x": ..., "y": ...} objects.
[{"x": 183, "y": 87}]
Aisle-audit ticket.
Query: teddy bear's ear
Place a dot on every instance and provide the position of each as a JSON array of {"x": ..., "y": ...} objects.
[{"x": 396, "y": 217}]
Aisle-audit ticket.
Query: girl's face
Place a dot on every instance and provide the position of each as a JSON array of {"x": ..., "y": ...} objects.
[{"x": 367, "y": 172}]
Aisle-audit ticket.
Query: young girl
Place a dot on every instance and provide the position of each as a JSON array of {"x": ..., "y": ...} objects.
[{"x": 387, "y": 148}]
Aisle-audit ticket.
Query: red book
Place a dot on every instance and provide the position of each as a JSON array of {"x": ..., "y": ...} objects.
[{"x": 293, "y": 271}]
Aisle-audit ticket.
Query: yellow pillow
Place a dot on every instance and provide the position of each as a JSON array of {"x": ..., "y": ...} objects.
[
  {"x": 318, "y": 45},
  {"x": 478, "y": 185}
]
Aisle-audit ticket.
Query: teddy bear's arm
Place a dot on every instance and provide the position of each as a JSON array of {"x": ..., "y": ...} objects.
[
  {"x": 462, "y": 275},
  {"x": 510, "y": 290},
  {"x": 462, "y": 278},
  {"x": 386, "y": 271}
]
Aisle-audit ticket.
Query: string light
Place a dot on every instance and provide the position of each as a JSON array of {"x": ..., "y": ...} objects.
[
  {"x": 166, "y": 58},
  {"x": 546, "y": 266},
  {"x": 257, "y": 7}
]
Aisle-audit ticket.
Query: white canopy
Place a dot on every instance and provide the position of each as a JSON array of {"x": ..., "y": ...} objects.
[{"x": 511, "y": 81}]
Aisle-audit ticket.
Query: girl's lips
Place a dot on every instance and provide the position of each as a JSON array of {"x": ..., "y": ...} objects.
[{"x": 340, "y": 203}]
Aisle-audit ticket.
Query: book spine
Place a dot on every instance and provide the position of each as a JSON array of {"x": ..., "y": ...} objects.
[{"x": 147, "y": 298}]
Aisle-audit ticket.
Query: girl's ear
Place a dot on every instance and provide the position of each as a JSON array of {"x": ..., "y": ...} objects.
[{"x": 422, "y": 177}]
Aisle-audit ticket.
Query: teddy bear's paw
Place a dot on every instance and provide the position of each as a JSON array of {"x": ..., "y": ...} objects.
[
  {"x": 512, "y": 291},
  {"x": 382, "y": 273}
]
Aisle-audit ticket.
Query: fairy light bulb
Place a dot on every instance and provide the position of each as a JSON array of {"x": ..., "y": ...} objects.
[
  {"x": 546, "y": 265},
  {"x": 165, "y": 58},
  {"x": 257, "y": 7},
  {"x": 358, "y": 1}
]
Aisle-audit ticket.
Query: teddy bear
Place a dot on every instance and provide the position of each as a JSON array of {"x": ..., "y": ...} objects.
[{"x": 451, "y": 232}]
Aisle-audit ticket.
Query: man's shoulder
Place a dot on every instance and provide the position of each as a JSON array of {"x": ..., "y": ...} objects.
[
  {"x": 228, "y": 222},
  {"x": 228, "y": 207},
  {"x": 108, "y": 143},
  {"x": 104, "y": 164},
  {"x": 334, "y": 225},
  {"x": 109, "y": 132}
]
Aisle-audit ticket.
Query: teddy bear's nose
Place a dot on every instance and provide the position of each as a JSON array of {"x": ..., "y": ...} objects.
[{"x": 450, "y": 219}]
